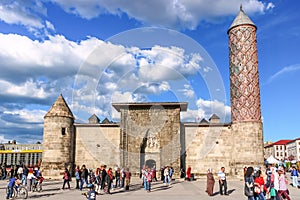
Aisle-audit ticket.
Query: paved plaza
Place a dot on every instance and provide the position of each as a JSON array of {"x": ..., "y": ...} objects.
[{"x": 179, "y": 190}]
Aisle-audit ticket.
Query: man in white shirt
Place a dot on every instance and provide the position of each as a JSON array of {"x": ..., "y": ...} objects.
[{"x": 222, "y": 181}]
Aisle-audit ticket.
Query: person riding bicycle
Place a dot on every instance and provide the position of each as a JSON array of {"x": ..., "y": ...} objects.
[
  {"x": 37, "y": 185},
  {"x": 38, "y": 177},
  {"x": 11, "y": 183}
]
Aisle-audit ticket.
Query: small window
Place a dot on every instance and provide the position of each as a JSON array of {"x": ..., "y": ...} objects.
[{"x": 63, "y": 131}]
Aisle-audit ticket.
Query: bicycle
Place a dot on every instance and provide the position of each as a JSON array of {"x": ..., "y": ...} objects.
[
  {"x": 37, "y": 186},
  {"x": 19, "y": 192}
]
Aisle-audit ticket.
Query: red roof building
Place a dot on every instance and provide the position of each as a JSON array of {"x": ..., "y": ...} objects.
[
  {"x": 277, "y": 149},
  {"x": 293, "y": 150}
]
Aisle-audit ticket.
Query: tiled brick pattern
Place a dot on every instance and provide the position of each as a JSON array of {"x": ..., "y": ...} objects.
[{"x": 244, "y": 78}]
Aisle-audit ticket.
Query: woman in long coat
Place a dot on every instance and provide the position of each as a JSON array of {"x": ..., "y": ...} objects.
[
  {"x": 210, "y": 183},
  {"x": 188, "y": 173}
]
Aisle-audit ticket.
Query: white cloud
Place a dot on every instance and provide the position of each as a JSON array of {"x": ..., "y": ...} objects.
[
  {"x": 30, "y": 14},
  {"x": 206, "y": 108},
  {"x": 22, "y": 12},
  {"x": 22, "y": 57},
  {"x": 50, "y": 26},
  {"x": 23, "y": 125},
  {"x": 178, "y": 14},
  {"x": 28, "y": 116},
  {"x": 283, "y": 71},
  {"x": 23, "y": 90},
  {"x": 172, "y": 63},
  {"x": 169, "y": 13},
  {"x": 270, "y": 6},
  {"x": 3, "y": 139},
  {"x": 214, "y": 107},
  {"x": 188, "y": 91},
  {"x": 91, "y": 73}
]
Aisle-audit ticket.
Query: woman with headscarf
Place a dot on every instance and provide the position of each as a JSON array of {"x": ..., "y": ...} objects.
[
  {"x": 210, "y": 182},
  {"x": 188, "y": 173},
  {"x": 283, "y": 182},
  {"x": 249, "y": 183}
]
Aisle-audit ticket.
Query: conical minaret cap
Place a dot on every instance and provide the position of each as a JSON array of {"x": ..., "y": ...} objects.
[
  {"x": 241, "y": 19},
  {"x": 59, "y": 109}
]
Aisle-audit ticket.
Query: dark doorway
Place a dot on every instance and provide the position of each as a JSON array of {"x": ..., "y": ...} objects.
[
  {"x": 142, "y": 149},
  {"x": 150, "y": 163}
]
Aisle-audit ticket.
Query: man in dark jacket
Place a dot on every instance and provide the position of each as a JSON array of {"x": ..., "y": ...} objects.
[
  {"x": 103, "y": 176},
  {"x": 84, "y": 176}
]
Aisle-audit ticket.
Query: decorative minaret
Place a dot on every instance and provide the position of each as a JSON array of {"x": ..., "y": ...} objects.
[
  {"x": 58, "y": 141},
  {"x": 245, "y": 94}
]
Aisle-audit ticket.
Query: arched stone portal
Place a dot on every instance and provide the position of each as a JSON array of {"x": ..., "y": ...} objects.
[{"x": 150, "y": 131}]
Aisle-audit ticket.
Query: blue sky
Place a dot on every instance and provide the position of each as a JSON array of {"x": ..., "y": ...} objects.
[{"x": 97, "y": 52}]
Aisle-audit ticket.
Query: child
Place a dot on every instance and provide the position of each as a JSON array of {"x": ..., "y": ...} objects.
[
  {"x": 10, "y": 186},
  {"x": 91, "y": 195}
]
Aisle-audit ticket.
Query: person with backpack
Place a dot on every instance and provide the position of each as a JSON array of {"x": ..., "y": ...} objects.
[
  {"x": 66, "y": 178},
  {"x": 148, "y": 179}
]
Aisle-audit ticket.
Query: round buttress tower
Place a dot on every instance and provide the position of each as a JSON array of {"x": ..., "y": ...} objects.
[{"x": 58, "y": 139}]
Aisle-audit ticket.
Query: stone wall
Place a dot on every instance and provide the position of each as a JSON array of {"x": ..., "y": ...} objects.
[
  {"x": 208, "y": 147},
  {"x": 150, "y": 134},
  {"x": 248, "y": 146},
  {"x": 232, "y": 146},
  {"x": 97, "y": 144}
]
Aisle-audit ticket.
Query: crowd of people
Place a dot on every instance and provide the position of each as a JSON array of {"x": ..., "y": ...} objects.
[
  {"x": 102, "y": 179},
  {"x": 273, "y": 184},
  {"x": 27, "y": 176}
]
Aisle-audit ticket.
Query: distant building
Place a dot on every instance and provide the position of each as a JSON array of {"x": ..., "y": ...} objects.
[
  {"x": 277, "y": 149},
  {"x": 12, "y": 153},
  {"x": 293, "y": 150}
]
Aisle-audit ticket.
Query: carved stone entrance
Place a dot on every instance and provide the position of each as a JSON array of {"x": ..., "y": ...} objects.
[{"x": 150, "y": 134}]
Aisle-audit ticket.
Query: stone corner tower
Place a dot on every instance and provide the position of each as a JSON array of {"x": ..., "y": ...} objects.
[
  {"x": 245, "y": 95},
  {"x": 58, "y": 139}
]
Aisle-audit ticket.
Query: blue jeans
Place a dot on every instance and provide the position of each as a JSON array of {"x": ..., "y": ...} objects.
[
  {"x": 261, "y": 196},
  {"x": 9, "y": 192},
  {"x": 24, "y": 179},
  {"x": 147, "y": 185},
  {"x": 167, "y": 179},
  {"x": 251, "y": 198},
  {"x": 82, "y": 182}
]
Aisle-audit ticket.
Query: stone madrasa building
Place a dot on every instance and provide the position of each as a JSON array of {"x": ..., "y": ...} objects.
[{"x": 152, "y": 133}]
